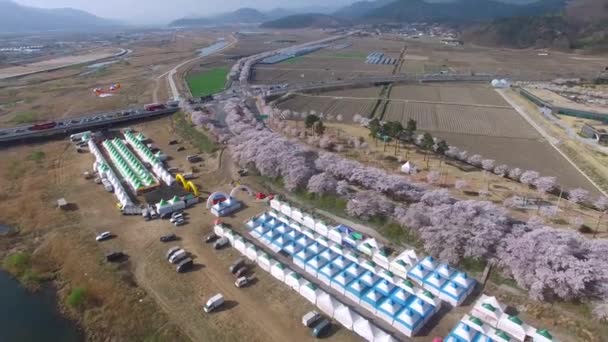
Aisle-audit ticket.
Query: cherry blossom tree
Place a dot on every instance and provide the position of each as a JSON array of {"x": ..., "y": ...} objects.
[
  {"x": 475, "y": 160},
  {"x": 601, "y": 203},
  {"x": 322, "y": 183},
  {"x": 578, "y": 195},
  {"x": 501, "y": 170},
  {"x": 357, "y": 118},
  {"x": 528, "y": 177},
  {"x": 488, "y": 164},
  {"x": 515, "y": 173},
  {"x": 342, "y": 188},
  {"x": 368, "y": 204}
]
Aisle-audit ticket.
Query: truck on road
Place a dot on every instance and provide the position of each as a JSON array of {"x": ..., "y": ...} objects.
[{"x": 214, "y": 303}]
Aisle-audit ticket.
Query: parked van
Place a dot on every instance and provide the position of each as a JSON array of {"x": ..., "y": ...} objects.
[
  {"x": 214, "y": 303},
  {"x": 220, "y": 243},
  {"x": 311, "y": 318},
  {"x": 178, "y": 256}
]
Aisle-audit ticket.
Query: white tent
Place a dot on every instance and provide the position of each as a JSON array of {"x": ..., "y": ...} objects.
[
  {"x": 340, "y": 281},
  {"x": 265, "y": 261},
  {"x": 311, "y": 292},
  {"x": 279, "y": 271},
  {"x": 252, "y": 252},
  {"x": 345, "y": 316},
  {"x": 384, "y": 337},
  {"x": 239, "y": 244},
  {"x": 488, "y": 309},
  {"x": 294, "y": 280},
  {"x": 365, "y": 329},
  {"x": 408, "y": 168},
  {"x": 327, "y": 303},
  {"x": 513, "y": 326}
]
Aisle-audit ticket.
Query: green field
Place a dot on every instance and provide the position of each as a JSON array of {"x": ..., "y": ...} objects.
[{"x": 207, "y": 82}]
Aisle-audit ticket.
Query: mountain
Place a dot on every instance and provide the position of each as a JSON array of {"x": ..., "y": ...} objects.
[
  {"x": 240, "y": 16},
  {"x": 309, "y": 20},
  {"x": 360, "y": 8},
  {"x": 583, "y": 24},
  {"x": 460, "y": 11},
  {"x": 18, "y": 18}
]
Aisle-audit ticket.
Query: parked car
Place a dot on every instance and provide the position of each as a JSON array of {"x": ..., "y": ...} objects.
[
  {"x": 236, "y": 265},
  {"x": 320, "y": 329},
  {"x": 179, "y": 222},
  {"x": 214, "y": 303},
  {"x": 241, "y": 271},
  {"x": 220, "y": 243},
  {"x": 184, "y": 265},
  {"x": 242, "y": 281},
  {"x": 211, "y": 237},
  {"x": 178, "y": 256},
  {"x": 103, "y": 236},
  {"x": 172, "y": 251},
  {"x": 114, "y": 256},
  {"x": 175, "y": 218},
  {"x": 168, "y": 238},
  {"x": 311, "y": 318}
]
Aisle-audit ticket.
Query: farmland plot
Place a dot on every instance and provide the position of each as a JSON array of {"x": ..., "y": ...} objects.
[
  {"x": 329, "y": 106},
  {"x": 415, "y": 92},
  {"x": 372, "y": 92}
]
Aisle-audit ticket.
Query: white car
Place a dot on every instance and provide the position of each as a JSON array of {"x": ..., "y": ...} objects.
[{"x": 103, "y": 236}]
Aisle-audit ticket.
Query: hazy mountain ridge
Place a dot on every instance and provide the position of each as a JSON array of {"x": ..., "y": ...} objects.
[
  {"x": 18, "y": 18},
  {"x": 308, "y": 20}
]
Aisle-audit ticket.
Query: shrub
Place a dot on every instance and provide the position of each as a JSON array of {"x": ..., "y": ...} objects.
[
  {"x": 77, "y": 297},
  {"x": 17, "y": 263}
]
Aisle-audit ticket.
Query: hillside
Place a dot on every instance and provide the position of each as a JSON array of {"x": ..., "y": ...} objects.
[
  {"x": 311, "y": 20},
  {"x": 18, "y": 18},
  {"x": 360, "y": 8},
  {"x": 457, "y": 12},
  {"x": 583, "y": 24},
  {"x": 240, "y": 16}
]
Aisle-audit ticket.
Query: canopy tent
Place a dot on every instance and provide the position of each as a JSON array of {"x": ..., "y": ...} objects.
[
  {"x": 371, "y": 300},
  {"x": 369, "y": 278},
  {"x": 384, "y": 286},
  {"x": 327, "y": 273},
  {"x": 294, "y": 280},
  {"x": 265, "y": 261},
  {"x": 408, "y": 168},
  {"x": 302, "y": 257},
  {"x": 488, "y": 309},
  {"x": 345, "y": 316},
  {"x": 252, "y": 252},
  {"x": 366, "y": 329},
  {"x": 408, "y": 322},
  {"x": 327, "y": 303},
  {"x": 388, "y": 309},
  {"x": 315, "y": 264},
  {"x": 355, "y": 290},
  {"x": 311, "y": 292},
  {"x": 279, "y": 271},
  {"x": 340, "y": 281},
  {"x": 239, "y": 244}
]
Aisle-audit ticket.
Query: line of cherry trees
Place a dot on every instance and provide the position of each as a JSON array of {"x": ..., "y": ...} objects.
[{"x": 550, "y": 263}]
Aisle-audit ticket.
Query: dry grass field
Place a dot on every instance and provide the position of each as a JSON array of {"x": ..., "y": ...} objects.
[
  {"x": 483, "y": 124},
  {"x": 59, "y": 62},
  {"x": 69, "y": 92}
]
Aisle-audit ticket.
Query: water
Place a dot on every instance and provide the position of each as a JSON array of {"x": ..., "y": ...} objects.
[
  {"x": 218, "y": 45},
  {"x": 31, "y": 317},
  {"x": 4, "y": 229}
]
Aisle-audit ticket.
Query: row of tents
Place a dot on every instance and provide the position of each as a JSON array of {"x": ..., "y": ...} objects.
[
  {"x": 105, "y": 172},
  {"x": 327, "y": 303},
  {"x": 153, "y": 159},
  {"x": 134, "y": 172},
  {"x": 391, "y": 298},
  {"x": 488, "y": 321},
  {"x": 442, "y": 280}
]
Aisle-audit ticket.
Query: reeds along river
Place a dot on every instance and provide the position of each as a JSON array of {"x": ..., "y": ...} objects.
[{"x": 32, "y": 316}]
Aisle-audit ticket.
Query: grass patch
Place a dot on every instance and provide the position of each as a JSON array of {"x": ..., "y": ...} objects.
[
  {"x": 77, "y": 297},
  {"x": 328, "y": 202},
  {"x": 17, "y": 263},
  {"x": 25, "y": 118},
  {"x": 473, "y": 265},
  {"x": 208, "y": 82},
  {"x": 189, "y": 132},
  {"x": 15, "y": 169},
  {"x": 497, "y": 278},
  {"x": 37, "y": 156},
  {"x": 399, "y": 235}
]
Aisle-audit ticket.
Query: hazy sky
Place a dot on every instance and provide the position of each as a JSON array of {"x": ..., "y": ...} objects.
[{"x": 147, "y": 11}]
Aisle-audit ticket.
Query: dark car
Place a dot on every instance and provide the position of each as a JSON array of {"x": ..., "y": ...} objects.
[
  {"x": 114, "y": 256},
  {"x": 168, "y": 238},
  {"x": 241, "y": 271},
  {"x": 211, "y": 237}
]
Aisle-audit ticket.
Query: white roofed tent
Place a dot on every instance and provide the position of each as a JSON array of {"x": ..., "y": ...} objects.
[
  {"x": 345, "y": 316},
  {"x": 327, "y": 303}
]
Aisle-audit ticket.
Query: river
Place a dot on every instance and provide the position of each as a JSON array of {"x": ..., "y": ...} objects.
[{"x": 32, "y": 317}]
